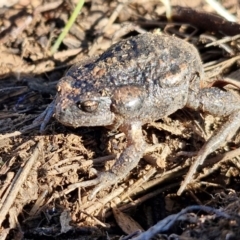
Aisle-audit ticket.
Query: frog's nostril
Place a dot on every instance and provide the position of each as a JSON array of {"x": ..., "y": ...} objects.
[
  {"x": 78, "y": 104},
  {"x": 59, "y": 88},
  {"x": 65, "y": 85}
]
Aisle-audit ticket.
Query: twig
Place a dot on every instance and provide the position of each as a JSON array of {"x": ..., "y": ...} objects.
[
  {"x": 207, "y": 21},
  {"x": 223, "y": 40},
  {"x": 40, "y": 201},
  {"x": 221, "y": 10},
  {"x": 145, "y": 197},
  {"x": 218, "y": 68},
  {"x": 95, "y": 219},
  {"x": 138, "y": 183},
  {"x": 18, "y": 181},
  {"x": 169, "y": 221},
  {"x": 215, "y": 42},
  {"x": 96, "y": 206},
  {"x": 7, "y": 182},
  {"x": 168, "y": 7},
  {"x": 8, "y": 135},
  {"x": 48, "y": 6}
]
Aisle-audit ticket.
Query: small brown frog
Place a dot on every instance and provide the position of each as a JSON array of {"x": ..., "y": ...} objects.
[{"x": 136, "y": 81}]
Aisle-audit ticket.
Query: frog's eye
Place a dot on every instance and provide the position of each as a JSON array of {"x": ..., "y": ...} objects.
[{"x": 88, "y": 106}]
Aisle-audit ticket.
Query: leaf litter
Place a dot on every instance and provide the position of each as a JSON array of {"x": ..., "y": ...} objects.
[{"x": 40, "y": 171}]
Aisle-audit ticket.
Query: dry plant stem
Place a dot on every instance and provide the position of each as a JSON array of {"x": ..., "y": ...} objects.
[
  {"x": 48, "y": 6},
  {"x": 65, "y": 161},
  {"x": 186, "y": 154},
  {"x": 18, "y": 133},
  {"x": 13, "y": 220},
  {"x": 171, "y": 129},
  {"x": 110, "y": 22},
  {"x": 91, "y": 207},
  {"x": 218, "y": 68},
  {"x": 4, "y": 233},
  {"x": 18, "y": 30},
  {"x": 153, "y": 148},
  {"x": 100, "y": 160},
  {"x": 167, "y": 5},
  {"x": 26, "y": 145},
  {"x": 208, "y": 22},
  {"x": 215, "y": 42},
  {"x": 214, "y": 185},
  {"x": 67, "y": 53},
  {"x": 167, "y": 176},
  {"x": 222, "y": 158},
  {"x": 236, "y": 162},
  {"x": 221, "y": 10},
  {"x": 79, "y": 201},
  {"x": 40, "y": 201},
  {"x": 144, "y": 198},
  {"x": 64, "y": 169},
  {"x": 7, "y": 182},
  {"x": 233, "y": 79},
  {"x": 8, "y": 135},
  {"x": 103, "y": 159},
  {"x": 95, "y": 219},
  {"x": 7, "y": 165},
  {"x": 223, "y": 40},
  {"x": 197, "y": 200},
  {"x": 170, "y": 29},
  {"x": 138, "y": 183},
  {"x": 7, "y": 192},
  {"x": 210, "y": 171},
  {"x": 15, "y": 186},
  {"x": 169, "y": 221}
]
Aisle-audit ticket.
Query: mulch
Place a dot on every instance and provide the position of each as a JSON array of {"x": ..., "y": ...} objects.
[{"x": 40, "y": 170}]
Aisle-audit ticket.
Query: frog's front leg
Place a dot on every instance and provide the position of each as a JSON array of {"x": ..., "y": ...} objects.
[
  {"x": 219, "y": 103},
  {"x": 125, "y": 163}
]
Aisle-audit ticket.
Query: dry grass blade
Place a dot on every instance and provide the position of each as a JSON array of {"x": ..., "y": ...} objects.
[
  {"x": 221, "y": 10},
  {"x": 18, "y": 181}
]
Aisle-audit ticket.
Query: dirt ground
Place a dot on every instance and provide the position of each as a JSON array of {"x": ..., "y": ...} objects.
[{"x": 40, "y": 170}]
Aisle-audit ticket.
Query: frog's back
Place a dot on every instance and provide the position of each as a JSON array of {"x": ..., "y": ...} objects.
[{"x": 141, "y": 60}]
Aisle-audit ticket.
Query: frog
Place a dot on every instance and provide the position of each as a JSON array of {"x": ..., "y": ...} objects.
[{"x": 136, "y": 81}]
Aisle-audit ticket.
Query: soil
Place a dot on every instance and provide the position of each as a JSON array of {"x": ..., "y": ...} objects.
[{"x": 40, "y": 170}]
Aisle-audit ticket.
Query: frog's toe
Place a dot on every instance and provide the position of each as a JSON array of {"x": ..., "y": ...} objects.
[
  {"x": 44, "y": 118},
  {"x": 104, "y": 180},
  {"x": 90, "y": 183}
]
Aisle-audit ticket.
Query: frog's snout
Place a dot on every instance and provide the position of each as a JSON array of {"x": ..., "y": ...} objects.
[{"x": 65, "y": 84}]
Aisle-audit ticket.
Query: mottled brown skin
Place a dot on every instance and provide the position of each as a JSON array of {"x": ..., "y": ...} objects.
[{"x": 136, "y": 81}]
